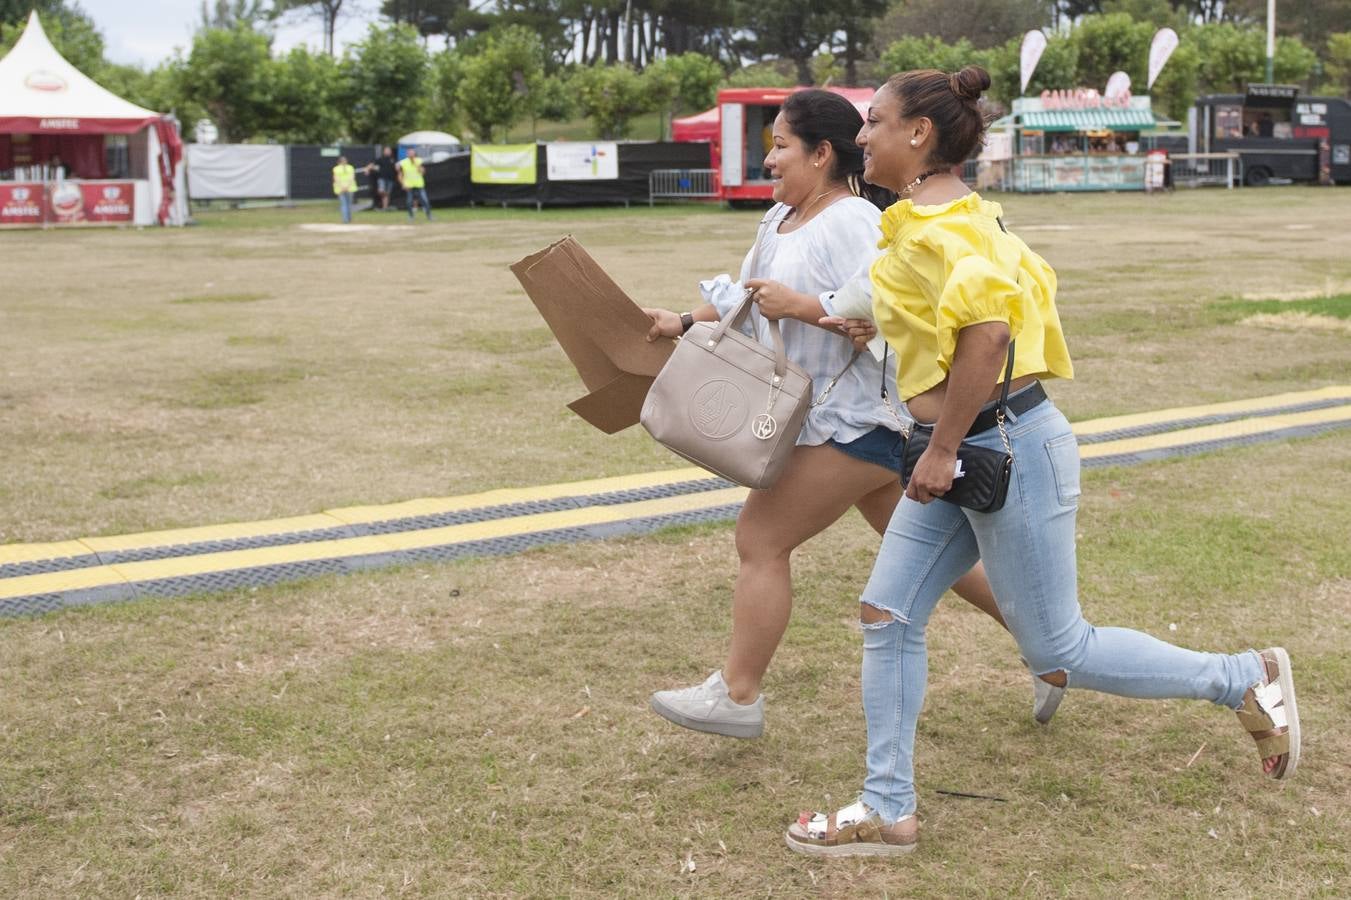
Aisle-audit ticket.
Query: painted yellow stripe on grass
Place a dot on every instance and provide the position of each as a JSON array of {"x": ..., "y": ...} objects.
[
  {"x": 1222, "y": 431},
  {"x": 571, "y": 518},
  {"x": 235, "y": 560},
  {"x": 11, "y": 554},
  {"x": 231, "y": 560},
  {"x": 1182, "y": 413},
  {"x": 58, "y": 582},
  {"x": 359, "y": 515},
  {"x": 203, "y": 533}
]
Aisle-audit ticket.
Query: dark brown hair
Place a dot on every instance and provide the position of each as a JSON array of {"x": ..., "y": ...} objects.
[
  {"x": 951, "y": 102},
  {"x": 816, "y": 117}
]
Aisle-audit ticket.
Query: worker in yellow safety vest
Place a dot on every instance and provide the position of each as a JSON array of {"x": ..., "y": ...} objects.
[
  {"x": 345, "y": 187},
  {"x": 412, "y": 177}
]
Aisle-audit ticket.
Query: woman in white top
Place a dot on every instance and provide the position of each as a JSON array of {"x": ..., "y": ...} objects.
[{"x": 819, "y": 234}]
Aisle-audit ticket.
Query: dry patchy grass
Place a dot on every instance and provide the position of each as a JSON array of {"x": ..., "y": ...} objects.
[
  {"x": 296, "y": 371},
  {"x": 480, "y": 729}
]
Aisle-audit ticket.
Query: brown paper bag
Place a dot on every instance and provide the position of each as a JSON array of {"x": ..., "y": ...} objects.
[{"x": 603, "y": 332}]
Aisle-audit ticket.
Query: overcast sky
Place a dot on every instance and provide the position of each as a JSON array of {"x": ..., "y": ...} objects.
[{"x": 145, "y": 32}]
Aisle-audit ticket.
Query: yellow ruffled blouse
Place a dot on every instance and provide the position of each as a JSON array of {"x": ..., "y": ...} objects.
[{"x": 948, "y": 266}]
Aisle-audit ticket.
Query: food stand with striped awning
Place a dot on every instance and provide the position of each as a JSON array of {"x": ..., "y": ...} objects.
[{"x": 1079, "y": 141}]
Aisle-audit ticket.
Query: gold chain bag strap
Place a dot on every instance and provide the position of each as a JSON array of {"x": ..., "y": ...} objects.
[{"x": 729, "y": 403}]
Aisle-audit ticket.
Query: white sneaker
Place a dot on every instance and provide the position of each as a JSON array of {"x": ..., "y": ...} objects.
[
  {"x": 1045, "y": 699},
  {"x": 707, "y": 707}
]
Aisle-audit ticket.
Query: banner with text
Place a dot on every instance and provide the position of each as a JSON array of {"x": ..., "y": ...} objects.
[
  {"x": 582, "y": 162},
  {"x": 502, "y": 164},
  {"x": 22, "y": 204},
  {"x": 73, "y": 202}
]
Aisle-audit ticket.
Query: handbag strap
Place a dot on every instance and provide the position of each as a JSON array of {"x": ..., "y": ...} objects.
[
  {"x": 821, "y": 398},
  {"x": 743, "y": 309}
]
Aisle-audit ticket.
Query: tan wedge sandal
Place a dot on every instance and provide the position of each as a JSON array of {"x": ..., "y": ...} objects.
[
  {"x": 855, "y": 830},
  {"x": 1269, "y": 710}
]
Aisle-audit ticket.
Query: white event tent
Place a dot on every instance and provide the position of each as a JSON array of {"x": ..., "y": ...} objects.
[{"x": 49, "y": 108}]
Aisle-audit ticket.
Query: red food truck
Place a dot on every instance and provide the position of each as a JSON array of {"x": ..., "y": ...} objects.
[{"x": 738, "y": 131}]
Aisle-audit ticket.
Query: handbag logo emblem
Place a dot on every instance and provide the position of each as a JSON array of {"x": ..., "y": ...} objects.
[
  {"x": 764, "y": 426},
  {"x": 719, "y": 409}
]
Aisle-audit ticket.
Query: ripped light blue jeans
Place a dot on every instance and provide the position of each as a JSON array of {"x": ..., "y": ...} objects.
[{"x": 1029, "y": 555}]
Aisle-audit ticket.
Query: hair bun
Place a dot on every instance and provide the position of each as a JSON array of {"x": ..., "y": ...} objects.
[{"x": 969, "y": 83}]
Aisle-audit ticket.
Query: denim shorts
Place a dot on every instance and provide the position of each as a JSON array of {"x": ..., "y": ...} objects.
[{"x": 881, "y": 446}]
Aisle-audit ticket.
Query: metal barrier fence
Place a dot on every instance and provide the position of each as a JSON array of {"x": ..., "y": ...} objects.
[
  {"x": 1203, "y": 169},
  {"x": 681, "y": 184}
]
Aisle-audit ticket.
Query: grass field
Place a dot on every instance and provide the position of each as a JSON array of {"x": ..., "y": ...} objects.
[{"x": 480, "y": 729}]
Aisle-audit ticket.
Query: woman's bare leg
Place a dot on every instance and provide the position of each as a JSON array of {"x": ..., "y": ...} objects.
[{"x": 818, "y": 487}]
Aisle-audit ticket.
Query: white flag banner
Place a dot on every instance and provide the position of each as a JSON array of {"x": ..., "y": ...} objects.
[
  {"x": 1119, "y": 85},
  {"x": 1034, "y": 44},
  {"x": 1162, "y": 47}
]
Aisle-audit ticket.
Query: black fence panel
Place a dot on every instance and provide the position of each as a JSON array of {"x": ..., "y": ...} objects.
[
  {"x": 636, "y": 161},
  {"x": 311, "y": 170}
]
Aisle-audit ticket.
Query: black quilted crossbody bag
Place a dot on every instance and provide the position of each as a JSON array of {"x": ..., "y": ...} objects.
[{"x": 982, "y": 480}]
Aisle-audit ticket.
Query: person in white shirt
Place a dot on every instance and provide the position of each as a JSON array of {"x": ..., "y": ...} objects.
[{"x": 822, "y": 232}]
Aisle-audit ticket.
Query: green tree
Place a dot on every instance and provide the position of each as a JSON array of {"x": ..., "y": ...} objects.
[
  {"x": 1175, "y": 90},
  {"x": 1232, "y": 57},
  {"x": 685, "y": 83},
  {"x": 1157, "y": 13},
  {"x": 1109, "y": 43},
  {"x": 1057, "y": 70},
  {"x": 229, "y": 13},
  {"x": 326, "y": 10},
  {"x": 499, "y": 82},
  {"x": 786, "y": 28},
  {"x": 983, "y": 23},
  {"x": 384, "y": 83},
  {"x": 442, "y": 110},
  {"x": 611, "y": 96},
  {"x": 227, "y": 73},
  {"x": 759, "y": 75},
  {"x": 856, "y": 22},
  {"x": 554, "y": 97},
  {"x": 71, "y": 32},
  {"x": 159, "y": 89},
  {"x": 303, "y": 99},
  {"x": 1337, "y": 67},
  {"x": 927, "y": 52}
]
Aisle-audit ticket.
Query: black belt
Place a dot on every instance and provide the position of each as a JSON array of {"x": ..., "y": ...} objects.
[{"x": 1019, "y": 403}]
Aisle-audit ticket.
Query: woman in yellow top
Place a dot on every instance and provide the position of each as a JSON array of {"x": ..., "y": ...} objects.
[{"x": 950, "y": 294}]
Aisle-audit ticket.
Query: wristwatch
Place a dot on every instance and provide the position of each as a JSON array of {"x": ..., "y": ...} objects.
[{"x": 686, "y": 321}]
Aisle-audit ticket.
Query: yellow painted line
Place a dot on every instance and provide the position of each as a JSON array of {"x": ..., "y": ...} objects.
[
  {"x": 201, "y": 534},
  {"x": 571, "y": 518},
  {"x": 231, "y": 560},
  {"x": 1221, "y": 431},
  {"x": 1182, "y": 413},
  {"x": 58, "y": 582},
  {"x": 22, "y": 553},
  {"x": 359, "y": 515},
  {"x": 168, "y": 568},
  {"x": 234, "y": 560}
]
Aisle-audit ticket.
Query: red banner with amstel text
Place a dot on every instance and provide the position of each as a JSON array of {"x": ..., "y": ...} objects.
[
  {"x": 67, "y": 203},
  {"x": 100, "y": 201},
  {"x": 22, "y": 203}
]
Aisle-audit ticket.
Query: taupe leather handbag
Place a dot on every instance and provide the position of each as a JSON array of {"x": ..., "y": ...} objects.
[{"x": 729, "y": 403}]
